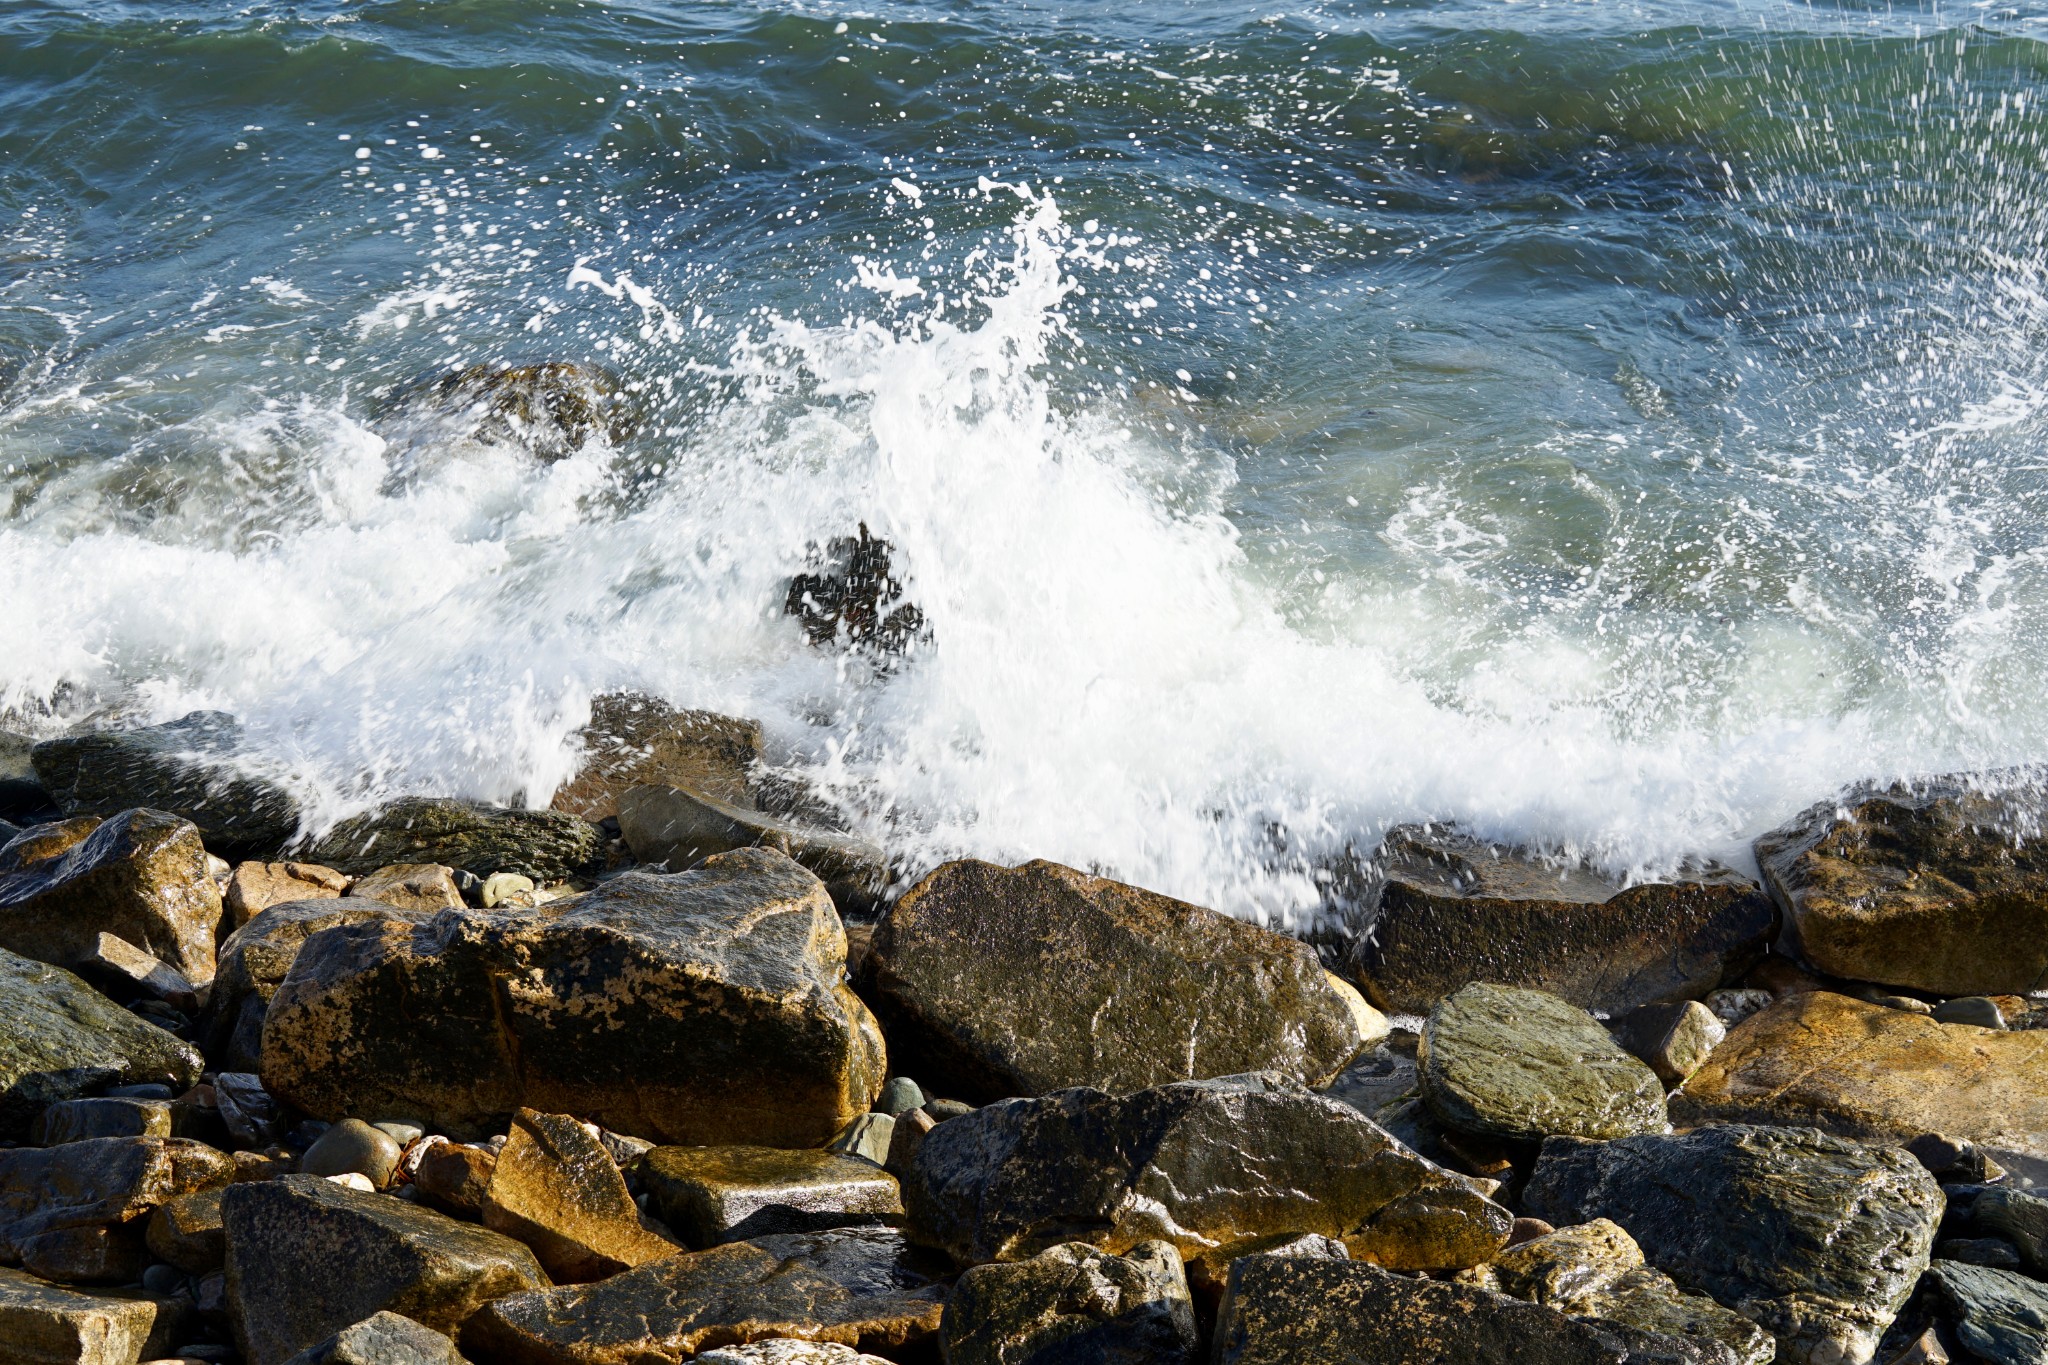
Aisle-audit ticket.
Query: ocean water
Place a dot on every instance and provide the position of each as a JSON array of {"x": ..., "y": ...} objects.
[{"x": 1609, "y": 425}]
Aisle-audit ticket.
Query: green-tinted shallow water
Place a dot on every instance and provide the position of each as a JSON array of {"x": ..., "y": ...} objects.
[{"x": 1608, "y": 424}]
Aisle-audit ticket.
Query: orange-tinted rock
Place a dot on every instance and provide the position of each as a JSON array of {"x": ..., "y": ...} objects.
[
  {"x": 635, "y": 740},
  {"x": 555, "y": 1188}
]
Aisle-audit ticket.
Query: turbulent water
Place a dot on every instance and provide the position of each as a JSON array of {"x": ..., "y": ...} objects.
[{"x": 1610, "y": 425}]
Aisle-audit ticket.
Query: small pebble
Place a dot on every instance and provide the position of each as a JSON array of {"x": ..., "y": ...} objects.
[
  {"x": 353, "y": 1147},
  {"x": 501, "y": 887},
  {"x": 1731, "y": 1007},
  {"x": 354, "y": 1181},
  {"x": 1970, "y": 1009},
  {"x": 404, "y": 1132},
  {"x": 899, "y": 1095}
]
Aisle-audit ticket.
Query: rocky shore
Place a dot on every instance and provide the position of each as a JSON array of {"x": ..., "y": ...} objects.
[{"x": 670, "y": 1071}]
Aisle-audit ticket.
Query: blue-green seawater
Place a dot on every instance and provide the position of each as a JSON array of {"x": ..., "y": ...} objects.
[{"x": 1609, "y": 425}]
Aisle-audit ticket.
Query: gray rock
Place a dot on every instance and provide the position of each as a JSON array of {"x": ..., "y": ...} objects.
[
  {"x": 246, "y": 1109},
  {"x": 1199, "y": 1164},
  {"x": 1072, "y": 1302},
  {"x": 1731, "y": 1007},
  {"x": 352, "y": 1145},
  {"x": 1503, "y": 1062},
  {"x": 711, "y": 1195},
  {"x": 186, "y": 1232},
  {"x": 2018, "y": 1217},
  {"x": 899, "y": 1094},
  {"x": 1970, "y": 1009},
  {"x": 41, "y": 1324},
  {"x": 2000, "y": 1317},
  {"x": 1817, "y": 1239},
  {"x": 197, "y": 768},
  {"x": 678, "y": 828},
  {"x": 867, "y": 1137},
  {"x": 1672, "y": 1040},
  {"x": 546, "y": 845},
  {"x": 1377, "y": 1079},
  {"x": 1995, "y": 1252},
  {"x": 383, "y": 1339},
  {"x": 61, "y": 1039},
  {"x": 130, "y": 972},
  {"x": 101, "y": 1117}
]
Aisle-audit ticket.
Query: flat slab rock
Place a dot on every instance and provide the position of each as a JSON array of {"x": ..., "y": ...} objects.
[
  {"x": 995, "y": 981},
  {"x": 1863, "y": 1071},
  {"x": 1937, "y": 887},
  {"x": 710, "y": 1195},
  {"x": 43, "y": 1324},
  {"x": 1200, "y": 1164},
  {"x": 1818, "y": 1240},
  {"x": 1280, "y": 1310},
  {"x": 691, "y": 1008},
  {"x": 546, "y": 845},
  {"x": 1073, "y": 1302},
  {"x": 1999, "y": 1316},
  {"x": 46, "y": 1191},
  {"x": 859, "y": 1287},
  {"x": 61, "y": 1039},
  {"x": 1455, "y": 909}
]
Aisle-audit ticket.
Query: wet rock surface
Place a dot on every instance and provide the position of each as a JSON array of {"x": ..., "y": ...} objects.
[
  {"x": 1073, "y": 1302},
  {"x": 709, "y": 1195},
  {"x": 1455, "y": 910},
  {"x": 1199, "y": 1164},
  {"x": 60, "y": 1039},
  {"x": 555, "y": 1188},
  {"x": 1151, "y": 990},
  {"x": 1503, "y": 1062},
  {"x": 676, "y": 828},
  {"x": 58, "y": 1204},
  {"x": 1816, "y": 1239},
  {"x": 187, "y": 1232},
  {"x": 1673, "y": 1040},
  {"x": 254, "y": 887},
  {"x": 43, "y": 1324},
  {"x": 546, "y": 845},
  {"x": 851, "y": 596},
  {"x": 424, "y": 887},
  {"x": 634, "y": 740},
  {"x": 700, "y": 1007},
  {"x": 550, "y": 407},
  {"x": 2000, "y": 1317}
]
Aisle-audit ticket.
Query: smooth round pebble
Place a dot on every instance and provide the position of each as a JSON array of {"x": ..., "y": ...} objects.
[
  {"x": 900, "y": 1095},
  {"x": 353, "y": 1147},
  {"x": 1970, "y": 1009}
]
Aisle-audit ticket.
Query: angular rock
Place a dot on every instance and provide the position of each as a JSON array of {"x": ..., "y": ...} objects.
[
  {"x": 353, "y": 1147},
  {"x": 186, "y": 1232},
  {"x": 676, "y": 828},
  {"x": 37, "y": 842},
  {"x": 1073, "y": 1301},
  {"x": 97, "y": 1183},
  {"x": 1523, "y": 1065},
  {"x": 454, "y": 1176},
  {"x": 102, "y": 1117},
  {"x": 546, "y": 845},
  {"x": 867, "y": 1137},
  {"x": 60, "y": 1039},
  {"x": 2000, "y": 1317},
  {"x": 127, "y": 971},
  {"x": 788, "y": 1351},
  {"x": 1935, "y": 887},
  {"x": 41, "y": 1324},
  {"x": 851, "y": 598},
  {"x": 634, "y": 740},
  {"x": 96, "y": 1255},
  {"x": 860, "y": 1287},
  {"x": 1200, "y": 1164},
  {"x": 1826, "y": 1061},
  {"x": 1305, "y": 1311},
  {"x": 1150, "y": 989},
  {"x": 695, "y": 1008},
  {"x": 423, "y": 887},
  {"x": 1673, "y": 1040},
  {"x": 555, "y": 1188},
  {"x": 710, "y": 1195},
  {"x": 906, "y": 1135},
  {"x": 194, "y": 768},
  {"x": 367, "y": 1252},
  {"x": 255, "y": 887},
  {"x": 141, "y": 876},
  {"x": 1377, "y": 1079},
  {"x": 2018, "y": 1217},
  {"x": 382, "y": 1339},
  {"x": 1816, "y": 1239},
  {"x": 1455, "y": 910},
  {"x": 1209, "y": 1272},
  {"x": 246, "y": 1109}
]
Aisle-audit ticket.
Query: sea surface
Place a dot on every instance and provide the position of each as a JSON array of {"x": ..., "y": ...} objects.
[{"x": 1612, "y": 426}]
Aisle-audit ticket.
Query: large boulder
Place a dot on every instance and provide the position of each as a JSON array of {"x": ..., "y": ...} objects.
[
  {"x": 1818, "y": 1240},
  {"x": 634, "y": 740},
  {"x": 41, "y": 1324},
  {"x": 860, "y": 1287},
  {"x": 1072, "y": 1302},
  {"x": 1939, "y": 887},
  {"x": 1827, "y": 1061},
  {"x": 80, "y": 1211},
  {"x": 994, "y": 981},
  {"x": 140, "y": 876},
  {"x": 1498, "y": 1061},
  {"x": 546, "y": 845},
  {"x": 61, "y": 1039},
  {"x": 1454, "y": 910},
  {"x": 699, "y": 1007},
  {"x": 555, "y": 1188},
  {"x": 674, "y": 827},
  {"x": 709, "y": 1195},
  {"x": 1284, "y": 1310},
  {"x": 308, "y": 1257},
  {"x": 1200, "y": 1164},
  {"x": 196, "y": 768}
]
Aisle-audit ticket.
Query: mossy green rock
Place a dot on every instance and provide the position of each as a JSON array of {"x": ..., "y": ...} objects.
[
  {"x": 61, "y": 1039},
  {"x": 546, "y": 845},
  {"x": 1503, "y": 1062},
  {"x": 1073, "y": 1302}
]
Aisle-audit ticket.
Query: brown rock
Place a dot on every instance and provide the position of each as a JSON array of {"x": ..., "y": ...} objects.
[
  {"x": 187, "y": 1233},
  {"x": 97, "y": 1255},
  {"x": 711, "y": 1195},
  {"x": 1673, "y": 1040},
  {"x": 38, "y": 842},
  {"x": 102, "y": 1117},
  {"x": 1073, "y": 1301},
  {"x": 425, "y": 887},
  {"x": 382, "y": 1339},
  {"x": 636, "y": 740},
  {"x": 1209, "y": 1272},
  {"x": 555, "y": 1188},
  {"x": 677, "y": 827},
  {"x": 454, "y": 1176},
  {"x": 1857, "y": 1070},
  {"x": 129, "y": 972},
  {"x": 41, "y": 1324},
  {"x": 546, "y": 845},
  {"x": 859, "y": 1287},
  {"x": 255, "y": 887},
  {"x": 55, "y": 1202}
]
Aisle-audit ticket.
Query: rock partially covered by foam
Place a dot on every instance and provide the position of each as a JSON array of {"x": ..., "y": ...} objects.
[{"x": 634, "y": 740}]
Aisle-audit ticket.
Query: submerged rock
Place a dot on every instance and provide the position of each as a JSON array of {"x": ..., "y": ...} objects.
[
  {"x": 546, "y": 845},
  {"x": 677, "y": 828},
  {"x": 1200, "y": 1164},
  {"x": 552, "y": 407},
  {"x": 699, "y": 1007},
  {"x": 1455, "y": 910},
  {"x": 194, "y": 768},
  {"x": 555, "y": 1188},
  {"x": 1936, "y": 887},
  {"x": 1148, "y": 989},
  {"x": 41, "y": 1324},
  {"x": 1818, "y": 1240},
  {"x": 850, "y": 596},
  {"x": 634, "y": 740},
  {"x": 1072, "y": 1302},
  {"x": 710, "y": 1195}
]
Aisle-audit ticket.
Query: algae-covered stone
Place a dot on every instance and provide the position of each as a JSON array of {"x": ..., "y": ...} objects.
[
  {"x": 60, "y": 1039},
  {"x": 1821, "y": 1060},
  {"x": 710, "y": 1195},
  {"x": 555, "y": 1188},
  {"x": 1939, "y": 887},
  {"x": 1069, "y": 1302},
  {"x": 1200, "y": 1164},
  {"x": 186, "y": 1232},
  {"x": 1455, "y": 910},
  {"x": 42, "y": 1324},
  {"x": 676, "y": 827},
  {"x": 195, "y": 768},
  {"x": 700, "y": 1007},
  {"x": 141, "y": 876},
  {"x": 410, "y": 886},
  {"x": 382, "y": 1339},
  {"x": 634, "y": 740},
  {"x": 2000, "y": 1318},
  {"x": 994, "y": 981},
  {"x": 1816, "y": 1239},
  {"x": 546, "y": 845},
  {"x": 307, "y": 1257},
  {"x": 1523, "y": 1065},
  {"x": 98, "y": 1183},
  {"x": 861, "y": 1287}
]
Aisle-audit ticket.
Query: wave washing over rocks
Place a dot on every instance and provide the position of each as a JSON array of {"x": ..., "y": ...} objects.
[{"x": 665, "y": 1072}]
